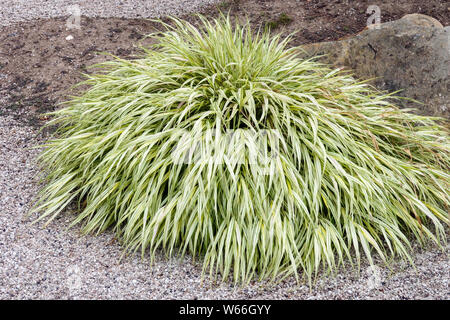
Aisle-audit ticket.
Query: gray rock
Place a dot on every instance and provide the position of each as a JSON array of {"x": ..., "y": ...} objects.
[{"x": 411, "y": 54}]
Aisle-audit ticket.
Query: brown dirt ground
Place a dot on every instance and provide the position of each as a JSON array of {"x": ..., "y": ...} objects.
[{"x": 41, "y": 66}]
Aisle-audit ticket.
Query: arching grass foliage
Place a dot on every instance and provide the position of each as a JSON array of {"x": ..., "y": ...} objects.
[{"x": 166, "y": 150}]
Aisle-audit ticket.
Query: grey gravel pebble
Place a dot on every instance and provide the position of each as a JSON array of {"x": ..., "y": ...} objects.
[{"x": 56, "y": 263}]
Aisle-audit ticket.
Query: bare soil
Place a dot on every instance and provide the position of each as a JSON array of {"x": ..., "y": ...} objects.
[{"x": 38, "y": 66}]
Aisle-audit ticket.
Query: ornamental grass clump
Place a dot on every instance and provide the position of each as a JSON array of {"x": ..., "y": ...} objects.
[{"x": 224, "y": 144}]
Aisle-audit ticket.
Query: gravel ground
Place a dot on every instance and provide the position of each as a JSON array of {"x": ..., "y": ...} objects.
[
  {"x": 12, "y": 11},
  {"x": 56, "y": 263}
]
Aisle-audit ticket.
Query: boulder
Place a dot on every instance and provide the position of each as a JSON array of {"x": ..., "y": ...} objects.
[{"x": 411, "y": 54}]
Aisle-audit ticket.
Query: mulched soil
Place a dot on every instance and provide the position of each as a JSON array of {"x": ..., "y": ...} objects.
[{"x": 38, "y": 66}]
